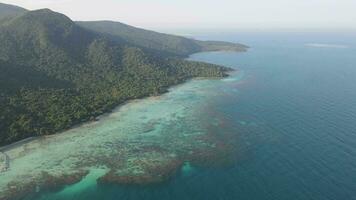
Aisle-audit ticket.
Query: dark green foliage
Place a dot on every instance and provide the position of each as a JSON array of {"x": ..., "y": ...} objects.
[
  {"x": 55, "y": 74},
  {"x": 220, "y": 45},
  {"x": 163, "y": 44},
  {"x": 8, "y": 11}
]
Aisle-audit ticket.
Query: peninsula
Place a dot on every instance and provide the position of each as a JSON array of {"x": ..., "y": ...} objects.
[{"x": 56, "y": 73}]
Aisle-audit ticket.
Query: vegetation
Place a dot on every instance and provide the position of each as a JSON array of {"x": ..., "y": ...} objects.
[
  {"x": 55, "y": 74},
  {"x": 161, "y": 43},
  {"x": 7, "y": 11}
]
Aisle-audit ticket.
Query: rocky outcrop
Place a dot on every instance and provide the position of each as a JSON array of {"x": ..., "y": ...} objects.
[{"x": 4, "y": 162}]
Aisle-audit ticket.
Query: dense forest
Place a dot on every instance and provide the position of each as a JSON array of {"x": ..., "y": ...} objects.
[
  {"x": 55, "y": 73},
  {"x": 166, "y": 44},
  {"x": 7, "y": 11}
]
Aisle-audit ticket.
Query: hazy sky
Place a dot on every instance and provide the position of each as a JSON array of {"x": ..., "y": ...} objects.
[{"x": 209, "y": 14}]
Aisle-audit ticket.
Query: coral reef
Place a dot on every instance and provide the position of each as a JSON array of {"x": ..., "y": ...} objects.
[{"x": 143, "y": 142}]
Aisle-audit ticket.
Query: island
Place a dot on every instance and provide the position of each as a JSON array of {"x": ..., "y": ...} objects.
[{"x": 57, "y": 73}]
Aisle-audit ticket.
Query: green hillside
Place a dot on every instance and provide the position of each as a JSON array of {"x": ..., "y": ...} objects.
[
  {"x": 162, "y": 43},
  {"x": 158, "y": 43},
  {"x": 7, "y": 10},
  {"x": 56, "y": 74}
]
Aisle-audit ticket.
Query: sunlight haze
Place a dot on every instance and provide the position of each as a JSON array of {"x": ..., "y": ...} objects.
[{"x": 209, "y": 14}]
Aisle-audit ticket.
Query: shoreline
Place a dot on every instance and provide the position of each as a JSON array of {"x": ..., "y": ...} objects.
[
  {"x": 99, "y": 117},
  {"x": 106, "y": 113},
  {"x": 202, "y": 153}
]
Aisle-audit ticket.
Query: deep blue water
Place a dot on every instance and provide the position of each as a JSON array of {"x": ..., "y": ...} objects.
[
  {"x": 295, "y": 117},
  {"x": 304, "y": 100}
]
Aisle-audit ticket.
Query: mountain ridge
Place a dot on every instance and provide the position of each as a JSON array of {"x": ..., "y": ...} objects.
[
  {"x": 160, "y": 43},
  {"x": 58, "y": 74},
  {"x": 7, "y": 10},
  {"x": 176, "y": 45}
]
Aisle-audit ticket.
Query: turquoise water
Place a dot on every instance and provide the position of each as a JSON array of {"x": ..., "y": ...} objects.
[{"x": 291, "y": 109}]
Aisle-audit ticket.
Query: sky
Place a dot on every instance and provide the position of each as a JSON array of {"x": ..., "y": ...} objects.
[{"x": 209, "y": 14}]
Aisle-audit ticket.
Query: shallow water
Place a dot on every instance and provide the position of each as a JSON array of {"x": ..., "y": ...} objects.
[
  {"x": 289, "y": 111},
  {"x": 143, "y": 141}
]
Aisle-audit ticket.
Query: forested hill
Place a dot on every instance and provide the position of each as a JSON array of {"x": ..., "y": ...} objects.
[
  {"x": 159, "y": 43},
  {"x": 7, "y": 10},
  {"x": 55, "y": 74},
  {"x": 164, "y": 43}
]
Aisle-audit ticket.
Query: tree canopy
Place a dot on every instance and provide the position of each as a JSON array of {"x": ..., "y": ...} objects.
[{"x": 55, "y": 74}]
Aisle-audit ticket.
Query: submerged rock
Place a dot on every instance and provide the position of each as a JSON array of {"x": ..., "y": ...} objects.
[
  {"x": 143, "y": 142},
  {"x": 4, "y": 162}
]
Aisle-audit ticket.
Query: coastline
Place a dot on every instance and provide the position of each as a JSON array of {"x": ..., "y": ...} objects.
[
  {"x": 101, "y": 116},
  {"x": 153, "y": 172},
  {"x": 115, "y": 107}
]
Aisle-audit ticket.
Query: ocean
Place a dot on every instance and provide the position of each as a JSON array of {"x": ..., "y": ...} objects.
[{"x": 289, "y": 111}]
